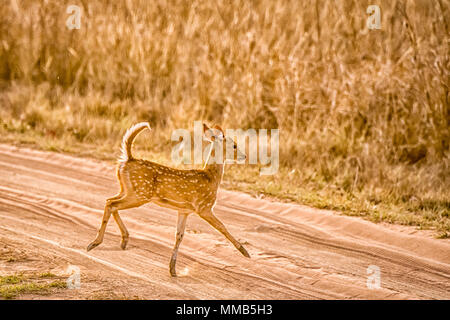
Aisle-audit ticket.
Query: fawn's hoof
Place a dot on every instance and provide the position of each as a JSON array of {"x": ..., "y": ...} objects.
[
  {"x": 173, "y": 273},
  {"x": 244, "y": 252},
  {"x": 92, "y": 246},
  {"x": 172, "y": 270},
  {"x": 123, "y": 244}
]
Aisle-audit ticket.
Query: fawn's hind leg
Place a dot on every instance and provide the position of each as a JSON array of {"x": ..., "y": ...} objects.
[
  {"x": 123, "y": 229},
  {"x": 182, "y": 217},
  {"x": 209, "y": 216},
  {"x": 112, "y": 206}
]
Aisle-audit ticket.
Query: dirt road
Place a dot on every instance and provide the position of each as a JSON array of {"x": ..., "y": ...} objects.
[{"x": 51, "y": 206}]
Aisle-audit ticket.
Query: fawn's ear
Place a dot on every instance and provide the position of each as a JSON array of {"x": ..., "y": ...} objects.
[
  {"x": 208, "y": 134},
  {"x": 218, "y": 128},
  {"x": 219, "y": 132}
]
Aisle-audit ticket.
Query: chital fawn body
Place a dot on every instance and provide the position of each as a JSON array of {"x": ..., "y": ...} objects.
[{"x": 186, "y": 191}]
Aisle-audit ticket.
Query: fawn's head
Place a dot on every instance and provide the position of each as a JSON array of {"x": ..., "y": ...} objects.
[{"x": 217, "y": 137}]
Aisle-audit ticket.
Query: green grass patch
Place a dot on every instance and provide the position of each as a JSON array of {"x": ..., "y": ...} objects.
[{"x": 12, "y": 286}]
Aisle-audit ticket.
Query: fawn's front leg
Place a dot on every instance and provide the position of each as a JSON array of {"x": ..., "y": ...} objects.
[
  {"x": 209, "y": 216},
  {"x": 181, "y": 225}
]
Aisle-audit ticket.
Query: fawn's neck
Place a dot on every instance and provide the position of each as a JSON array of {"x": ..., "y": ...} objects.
[{"x": 213, "y": 168}]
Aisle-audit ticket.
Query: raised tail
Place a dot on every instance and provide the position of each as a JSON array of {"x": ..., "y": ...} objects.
[{"x": 128, "y": 139}]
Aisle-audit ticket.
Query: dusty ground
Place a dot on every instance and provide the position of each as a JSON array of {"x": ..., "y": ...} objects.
[{"x": 51, "y": 206}]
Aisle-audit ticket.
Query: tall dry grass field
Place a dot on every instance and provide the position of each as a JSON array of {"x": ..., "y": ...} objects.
[{"x": 363, "y": 114}]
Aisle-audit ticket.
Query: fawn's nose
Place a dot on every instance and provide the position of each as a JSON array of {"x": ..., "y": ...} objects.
[{"x": 241, "y": 157}]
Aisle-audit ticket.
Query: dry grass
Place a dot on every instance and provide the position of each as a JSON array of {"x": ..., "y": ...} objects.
[{"x": 363, "y": 115}]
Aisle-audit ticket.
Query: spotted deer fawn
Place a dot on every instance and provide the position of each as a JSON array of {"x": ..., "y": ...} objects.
[{"x": 186, "y": 191}]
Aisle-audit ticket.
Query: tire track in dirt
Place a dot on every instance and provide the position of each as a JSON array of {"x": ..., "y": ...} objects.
[{"x": 297, "y": 252}]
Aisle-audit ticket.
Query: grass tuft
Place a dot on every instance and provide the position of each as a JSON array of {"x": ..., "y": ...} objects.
[{"x": 13, "y": 286}]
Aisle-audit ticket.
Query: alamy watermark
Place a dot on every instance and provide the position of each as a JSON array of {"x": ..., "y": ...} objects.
[
  {"x": 374, "y": 277},
  {"x": 74, "y": 20},
  {"x": 374, "y": 20},
  {"x": 260, "y": 149},
  {"x": 74, "y": 280}
]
